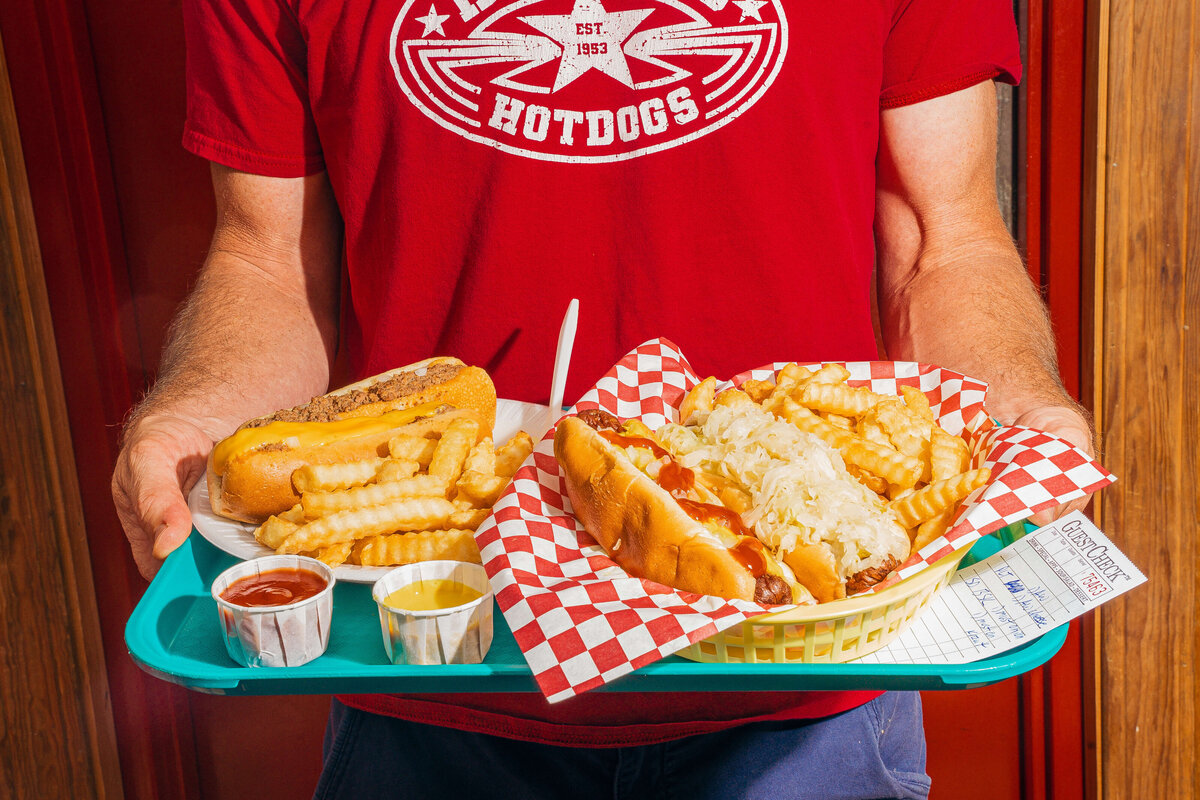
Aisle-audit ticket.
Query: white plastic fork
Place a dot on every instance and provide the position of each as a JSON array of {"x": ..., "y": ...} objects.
[{"x": 562, "y": 362}]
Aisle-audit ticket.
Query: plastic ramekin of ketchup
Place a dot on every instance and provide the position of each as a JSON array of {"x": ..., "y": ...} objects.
[
  {"x": 435, "y": 612},
  {"x": 275, "y": 611}
]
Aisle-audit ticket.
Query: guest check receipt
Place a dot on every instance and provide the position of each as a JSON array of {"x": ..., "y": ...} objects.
[{"x": 1039, "y": 582}]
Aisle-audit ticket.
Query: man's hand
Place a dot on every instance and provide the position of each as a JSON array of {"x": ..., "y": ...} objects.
[
  {"x": 952, "y": 288},
  {"x": 256, "y": 334},
  {"x": 1065, "y": 422},
  {"x": 161, "y": 459}
]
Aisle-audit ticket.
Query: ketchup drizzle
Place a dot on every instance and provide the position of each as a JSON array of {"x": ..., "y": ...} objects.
[
  {"x": 679, "y": 480},
  {"x": 634, "y": 441}
]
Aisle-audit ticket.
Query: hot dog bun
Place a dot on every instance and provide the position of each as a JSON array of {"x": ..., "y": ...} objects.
[
  {"x": 250, "y": 472},
  {"x": 645, "y": 529}
]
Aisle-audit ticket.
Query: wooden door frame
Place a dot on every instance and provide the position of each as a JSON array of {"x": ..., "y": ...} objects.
[{"x": 1143, "y": 255}]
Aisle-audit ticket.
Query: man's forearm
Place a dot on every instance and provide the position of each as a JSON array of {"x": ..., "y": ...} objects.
[
  {"x": 239, "y": 347},
  {"x": 969, "y": 306},
  {"x": 259, "y": 329},
  {"x": 952, "y": 289}
]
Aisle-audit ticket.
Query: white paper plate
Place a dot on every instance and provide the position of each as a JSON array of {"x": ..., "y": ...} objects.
[{"x": 237, "y": 538}]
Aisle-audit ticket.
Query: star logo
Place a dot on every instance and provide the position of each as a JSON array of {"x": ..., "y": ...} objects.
[
  {"x": 432, "y": 21},
  {"x": 591, "y": 38},
  {"x": 750, "y": 9},
  {"x": 520, "y": 75}
]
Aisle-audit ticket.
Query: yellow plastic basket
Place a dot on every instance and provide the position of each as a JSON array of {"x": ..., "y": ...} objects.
[{"x": 829, "y": 633}]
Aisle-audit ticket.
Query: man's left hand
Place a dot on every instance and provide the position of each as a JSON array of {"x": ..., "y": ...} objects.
[{"x": 1071, "y": 424}]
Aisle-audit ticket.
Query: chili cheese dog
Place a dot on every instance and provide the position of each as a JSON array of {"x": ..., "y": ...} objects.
[
  {"x": 663, "y": 528},
  {"x": 250, "y": 472}
]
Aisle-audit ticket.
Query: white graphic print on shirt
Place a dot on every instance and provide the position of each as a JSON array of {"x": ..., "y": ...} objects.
[{"x": 586, "y": 81}]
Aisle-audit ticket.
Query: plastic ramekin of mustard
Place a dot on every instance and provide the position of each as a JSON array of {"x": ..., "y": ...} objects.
[{"x": 435, "y": 612}]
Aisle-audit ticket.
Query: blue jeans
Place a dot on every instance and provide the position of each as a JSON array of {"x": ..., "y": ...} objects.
[{"x": 874, "y": 751}]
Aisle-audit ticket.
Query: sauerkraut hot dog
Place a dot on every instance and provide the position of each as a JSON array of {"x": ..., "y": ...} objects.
[
  {"x": 653, "y": 519},
  {"x": 250, "y": 472},
  {"x": 765, "y": 488}
]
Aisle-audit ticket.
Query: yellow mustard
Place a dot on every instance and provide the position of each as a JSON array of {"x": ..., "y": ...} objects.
[{"x": 431, "y": 595}]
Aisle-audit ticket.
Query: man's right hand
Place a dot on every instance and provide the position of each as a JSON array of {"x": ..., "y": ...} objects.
[
  {"x": 256, "y": 333},
  {"x": 161, "y": 459}
]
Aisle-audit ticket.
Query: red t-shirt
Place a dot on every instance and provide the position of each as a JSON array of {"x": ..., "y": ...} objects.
[{"x": 702, "y": 170}]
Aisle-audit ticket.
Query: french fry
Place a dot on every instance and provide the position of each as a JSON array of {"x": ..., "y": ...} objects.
[
  {"x": 452, "y": 449},
  {"x": 408, "y": 548},
  {"x": 328, "y": 477},
  {"x": 698, "y": 400},
  {"x": 467, "y": 517},
  {"x": 873, "y": 482},
  {"x": 294, "y": 514},
  {"x": 510, "y": 455},
  {"x": 807, "y": 420},
  {"x": 829, "y": 373},
  {"x": 907, "y": 431},
  {"x": 397, "y": 469},
  {"x": 932, "y": 528},
  {"x": 482, "y": 458},
  {"x": 917, "y": 402},
  {"x": 335, "y": 554},
  {"x": 408, "y": 447},
  {"x": 479, "y": 481},
  {"x": 893, "y": 466},
  {"x": 732, "y": 397},
  {"x": 948, "y": 454},
  {"x": 408, "y": 514},
  {"x": 274, "y": 531},
  {"x": 320, "y": 504},
  {"x": 794, "y": 374},
  {"x": 870, "y": 429},
  {"x": 838, "y": 421},
  {"x": 481, "y": 488},
  {"x": 836, "y": 398},
  {"x": 929, "y": 501},
  {"x": 758, "y": 390},
  {"x": 786, "y": 381}
]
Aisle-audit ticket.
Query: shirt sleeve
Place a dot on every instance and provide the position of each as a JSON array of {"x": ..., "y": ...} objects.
[
  {"x": 936, "y": 47},
  {"x": 247, "y": 88}
]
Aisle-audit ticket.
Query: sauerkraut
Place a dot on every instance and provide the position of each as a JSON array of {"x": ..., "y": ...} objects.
[{"x": 800, "y": 489}]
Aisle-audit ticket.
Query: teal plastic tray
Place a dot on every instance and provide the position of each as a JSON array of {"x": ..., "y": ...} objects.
[{"x": 174, "y": 634}]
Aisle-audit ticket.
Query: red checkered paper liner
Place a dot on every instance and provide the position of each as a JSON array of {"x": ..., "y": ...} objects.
[{"x": 582, "y": 621}]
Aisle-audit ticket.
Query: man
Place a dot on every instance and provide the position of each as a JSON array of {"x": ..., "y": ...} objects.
[{"x": 399, "y": 181}]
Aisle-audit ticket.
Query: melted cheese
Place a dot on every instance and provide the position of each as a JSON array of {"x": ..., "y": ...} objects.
[{"x": 310, "y": 434}]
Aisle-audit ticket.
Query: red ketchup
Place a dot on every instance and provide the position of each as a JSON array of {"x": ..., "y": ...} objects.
[
  {"x": 748, "y": 551},
  {"x": 634, "y": 441},
  {"x": 276, "y": 587},
  {"x": 676, "y": 479}
]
